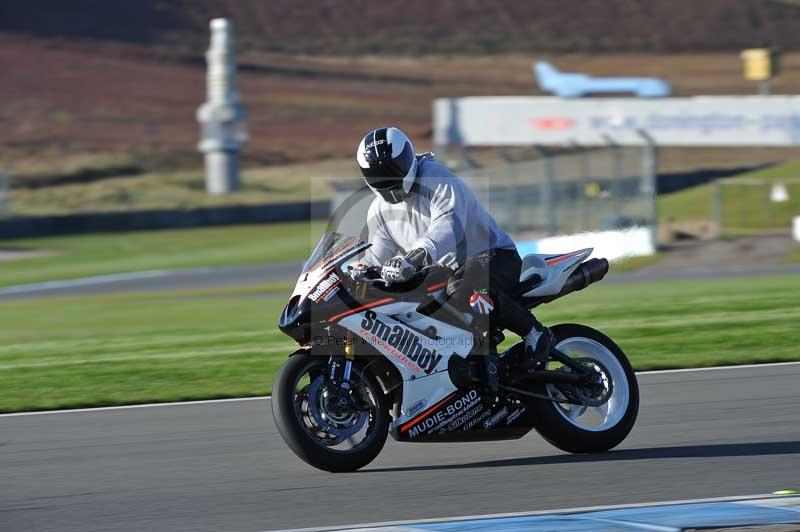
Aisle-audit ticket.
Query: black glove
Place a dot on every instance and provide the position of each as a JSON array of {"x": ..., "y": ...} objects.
[{"x": 400, "y": 269}]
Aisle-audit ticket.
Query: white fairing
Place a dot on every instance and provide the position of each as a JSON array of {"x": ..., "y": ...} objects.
[
  {"x": 395, "y": 330},
  {"x": 309, "y": 279},
  {"x": 554, "y": 271}
]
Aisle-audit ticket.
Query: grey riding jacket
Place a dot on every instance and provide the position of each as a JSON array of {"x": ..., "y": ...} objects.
[{"x": 441, "y": 215}]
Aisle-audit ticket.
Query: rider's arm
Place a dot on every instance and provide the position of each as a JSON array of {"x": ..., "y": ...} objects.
[
  {"x": 448, "y": 214},
  {"x": 383, "y": 246}
]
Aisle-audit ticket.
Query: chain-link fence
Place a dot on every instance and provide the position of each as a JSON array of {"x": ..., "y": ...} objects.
[
  {"x": 587, "y": 190},
  {"x": 566, "y": 193}
]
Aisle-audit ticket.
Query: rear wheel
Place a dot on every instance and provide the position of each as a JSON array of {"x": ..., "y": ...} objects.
[
  {"x": 324, "y": 428},
  {"x": 588, "y": 429}
]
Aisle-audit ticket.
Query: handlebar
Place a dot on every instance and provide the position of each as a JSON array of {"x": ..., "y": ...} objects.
[{"x": 374, "y": 275}]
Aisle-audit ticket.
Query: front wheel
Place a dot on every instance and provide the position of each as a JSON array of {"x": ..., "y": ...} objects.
[
  {"x": 327, "y": 429},
  {"x": 588, "y": 429}
]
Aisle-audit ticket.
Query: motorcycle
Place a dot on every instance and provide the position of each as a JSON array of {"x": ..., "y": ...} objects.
[{"x": 377, "y": 359}]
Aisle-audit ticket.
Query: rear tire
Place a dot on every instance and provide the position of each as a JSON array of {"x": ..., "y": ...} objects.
[
  {"x": 295, "y": 432},
  {"x": 553, "y": 420}
]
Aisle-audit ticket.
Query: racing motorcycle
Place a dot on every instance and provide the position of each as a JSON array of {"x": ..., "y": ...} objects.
[{"x": 377, "y": 359}]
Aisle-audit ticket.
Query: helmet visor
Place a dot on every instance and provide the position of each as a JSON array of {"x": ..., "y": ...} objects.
[{"x": 384, "y": 171}]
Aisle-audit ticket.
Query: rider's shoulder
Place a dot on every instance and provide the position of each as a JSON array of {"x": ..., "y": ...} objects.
[
  {"x": 429, "y": 166},
  {"x": 375, "y": 206}
]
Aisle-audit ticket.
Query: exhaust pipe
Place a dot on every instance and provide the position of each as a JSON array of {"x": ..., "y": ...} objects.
[{"x": 589, "y": 272}]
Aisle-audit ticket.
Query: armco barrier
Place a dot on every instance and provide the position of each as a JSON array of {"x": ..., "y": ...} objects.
[{"x": 35, "y": 226}]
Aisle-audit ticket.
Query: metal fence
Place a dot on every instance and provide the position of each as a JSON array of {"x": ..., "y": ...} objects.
[
  {"x": 567, "y": 193},
  {"x": 586, "y": 190}
]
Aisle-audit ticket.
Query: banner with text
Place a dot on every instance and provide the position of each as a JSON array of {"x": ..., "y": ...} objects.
[{"x": 694, "y": 121}]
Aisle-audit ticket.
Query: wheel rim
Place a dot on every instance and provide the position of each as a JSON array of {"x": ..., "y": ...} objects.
[
  {"x": 337, "y": 428},
  {"x": 607, "y": 415}
]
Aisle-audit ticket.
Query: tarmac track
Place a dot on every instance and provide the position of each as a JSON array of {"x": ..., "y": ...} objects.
[
  {"x": 223, "y": 466},
  {"x": 286, "y": 272}
]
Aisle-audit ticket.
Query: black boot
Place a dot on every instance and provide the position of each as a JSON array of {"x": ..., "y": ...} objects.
[{"x": 538, "y": 344}]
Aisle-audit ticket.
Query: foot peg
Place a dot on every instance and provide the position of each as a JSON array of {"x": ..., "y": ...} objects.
[{"x": 535, "y": 357}]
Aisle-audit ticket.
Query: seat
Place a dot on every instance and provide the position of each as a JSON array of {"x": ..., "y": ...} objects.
[
  {"x": 530, "y": 277},
  {"x": 531, "y": 261},
  {"x": 545, "y": 274}
]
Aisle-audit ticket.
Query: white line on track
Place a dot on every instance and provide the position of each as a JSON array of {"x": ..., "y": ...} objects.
[
  {"x": 715, "y": 368},
  {"x": 566, "y": 511},
  {"x": 131, "y": 407},
  {"x": 83, "y": 281},
  {"x": 260, "y": 398}
]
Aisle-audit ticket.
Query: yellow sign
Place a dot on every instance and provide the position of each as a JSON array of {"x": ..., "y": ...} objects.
[{"x": 758, "y": 64}]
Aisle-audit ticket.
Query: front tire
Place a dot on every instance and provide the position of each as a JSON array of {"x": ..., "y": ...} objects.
[
  {"x": 577, "y": 429},
  {"x": 312, "y": 434}
]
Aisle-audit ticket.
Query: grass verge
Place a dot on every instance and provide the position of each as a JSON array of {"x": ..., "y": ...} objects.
[
  {"x": 97, "y": 254},
  {"x": 125, "y": 349},
  {"x": 173, "y": 189},
  {"x": 746, "y": 207}
]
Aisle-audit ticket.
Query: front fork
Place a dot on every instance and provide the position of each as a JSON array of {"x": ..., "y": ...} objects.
[{"x": 340, "y": 368}]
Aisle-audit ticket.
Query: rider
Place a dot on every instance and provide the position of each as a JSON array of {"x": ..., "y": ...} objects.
[{"x": 424, "y": 214}]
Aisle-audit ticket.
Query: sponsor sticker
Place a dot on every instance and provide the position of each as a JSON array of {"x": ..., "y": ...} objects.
[
  {"x": 477, "y": 419},
  {"x": 401, "y": 343},
  {"x": 514, "y": 415},
  {"x": 492, "y": 421},
  {"x": 450, "y": 416},
  {"x": 464, "y": 418},
  {"x": 326, "y": 288},
  {"x": 417, "y": 407},
  {"x": 330, "y": 293}
]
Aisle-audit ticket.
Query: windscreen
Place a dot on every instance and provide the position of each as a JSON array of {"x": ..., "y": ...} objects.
[{"x": 333, "y": 247}]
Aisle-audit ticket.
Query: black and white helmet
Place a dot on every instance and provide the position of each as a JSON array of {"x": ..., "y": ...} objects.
[{"x": 388, "y": 163}]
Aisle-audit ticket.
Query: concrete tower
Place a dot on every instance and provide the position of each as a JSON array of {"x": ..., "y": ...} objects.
[{"x": 222, "y": 117}]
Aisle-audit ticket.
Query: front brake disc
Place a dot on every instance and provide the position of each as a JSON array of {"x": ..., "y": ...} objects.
[{"x": 341, "y": 429}]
